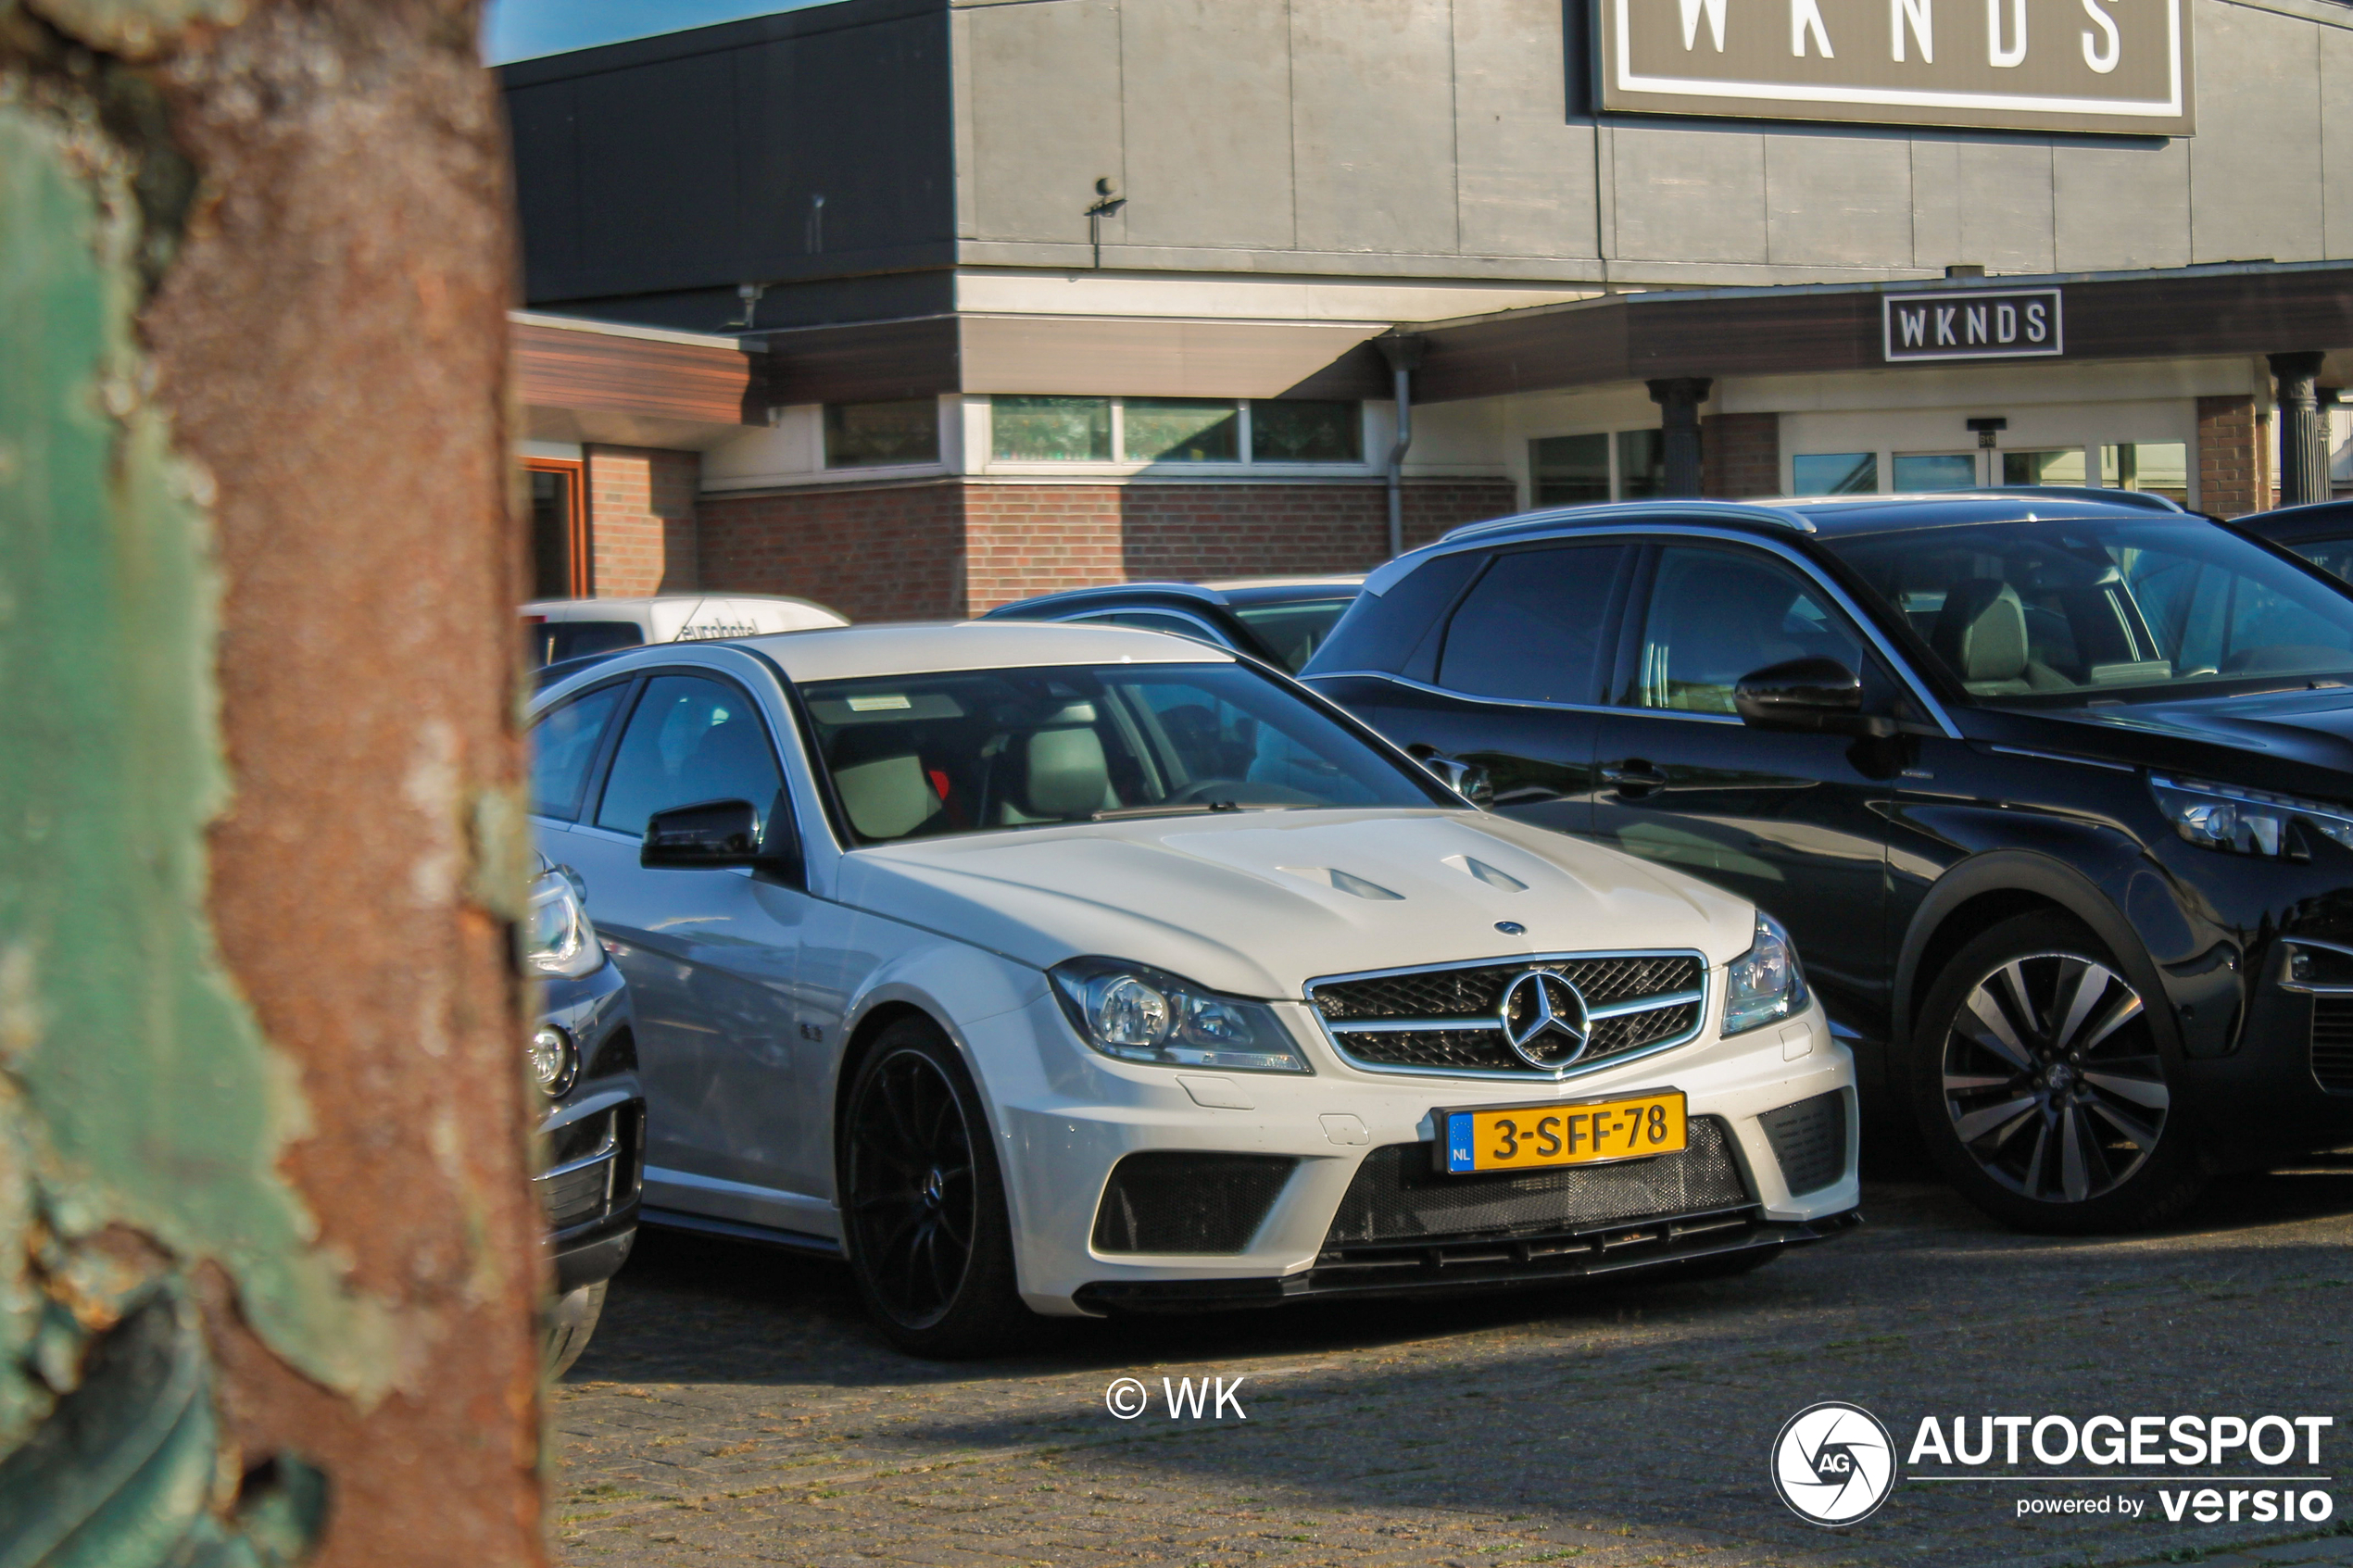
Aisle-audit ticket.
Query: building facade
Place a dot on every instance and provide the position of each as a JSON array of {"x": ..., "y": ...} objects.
[{"x": 915, "y": 307}]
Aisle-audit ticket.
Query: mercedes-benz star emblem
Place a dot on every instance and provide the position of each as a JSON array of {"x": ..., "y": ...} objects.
[{"x": 1544, "y": 1021}]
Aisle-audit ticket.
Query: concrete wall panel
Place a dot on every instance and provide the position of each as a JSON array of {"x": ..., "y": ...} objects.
[
  {"x": 1527, "y": 174},
  {"x": 1373, "y": 116},
  {"x": 2255, "y": 165},
  {"x": 1221, "y": 74},
  {"x": 1838, "y": 200},
  {"x": 1689, "y": 195},
  {"x": 2336, "y": 141},
  {"x": 2121, "y": 207},
  {"x": 1046, "y": 115},
  {"x": 2005, "y": 203}
]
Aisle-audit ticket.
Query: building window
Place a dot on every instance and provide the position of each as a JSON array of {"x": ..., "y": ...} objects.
[
  {"x": 1052, "y": 429},
  {"x": 1183, "y": 430},
  {"x": 870, "y": 435},
  {"x": 1641, "y": 464},
  {"x": 1307, "y": 431},
  {"x": 559, "y": 531},
  {"x": 1566, "y": 469},
  {"x": 2064, "y": 465},
  {"x": 2160, "y": 468},
  {"x": 1916, "y": 471},
  {"x": 1834, "y": 473}
]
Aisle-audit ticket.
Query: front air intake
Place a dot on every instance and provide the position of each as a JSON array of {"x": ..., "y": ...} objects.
[
  {"x": 1809, "y": 1141},
  {"x": 1171, "y": 1201}
]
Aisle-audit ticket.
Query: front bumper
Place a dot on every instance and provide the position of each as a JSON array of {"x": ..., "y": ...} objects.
[
  {"x": 594, "y": 1135},
  {"x": 1066, "y": 1118}
]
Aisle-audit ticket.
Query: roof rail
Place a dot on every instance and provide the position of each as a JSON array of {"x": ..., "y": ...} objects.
[{"x": 1623, "y": 511}]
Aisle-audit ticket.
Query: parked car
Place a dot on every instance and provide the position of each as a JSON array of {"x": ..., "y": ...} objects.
[
  {"x": 1281, "y": 620},
  {"x": 558, "y": 630},
  {"x": 2321, "y": 532},
  {"x": 583, "y": 1060},
  {"x": 2055, "y": 795},
  {"x": 1084, "y": 970}
]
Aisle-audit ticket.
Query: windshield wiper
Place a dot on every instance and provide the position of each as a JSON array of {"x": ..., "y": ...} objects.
[{"x": 1173, "y": 809}]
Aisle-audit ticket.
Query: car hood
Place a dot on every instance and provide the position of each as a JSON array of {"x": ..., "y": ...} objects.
[
  {"x": 1257, "y": 905},
  {"x": 2299, "y": 741}
]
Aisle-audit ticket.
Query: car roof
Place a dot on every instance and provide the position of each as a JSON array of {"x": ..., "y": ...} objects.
[
  {"x": 1830, "y": 514},
  {"x": 1229, "y": 592},
  {"x": 2317, "y": 518},
  {"x": 850, "y": 652}
]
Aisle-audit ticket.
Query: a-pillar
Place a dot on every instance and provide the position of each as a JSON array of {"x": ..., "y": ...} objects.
[
  {"x": 2304, "y": 447},
  {"x": 1678, "y": 399}
]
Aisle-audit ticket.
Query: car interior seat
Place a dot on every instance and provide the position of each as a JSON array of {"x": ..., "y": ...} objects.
[
  {"x": 1981, "y": 633},
  {"x": 1058, "y": 774}
]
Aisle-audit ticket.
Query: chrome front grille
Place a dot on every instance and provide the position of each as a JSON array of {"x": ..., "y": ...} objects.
[{"x": 1450, "y": 1019}]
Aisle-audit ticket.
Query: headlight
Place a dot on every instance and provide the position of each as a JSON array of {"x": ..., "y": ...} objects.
[
  {"x": 557, "y": 938},
  {"x": 1136, "y": 1014},
  {"x": 1764, "y": 983},
  {"x": 2247, "y": 821},
  {"x": 553, "y": 1060}
]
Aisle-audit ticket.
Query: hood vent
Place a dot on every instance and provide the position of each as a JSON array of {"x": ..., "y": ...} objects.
[
  {"x": 1332, "y": 876},
  {"x": 1486, "y": 873}
]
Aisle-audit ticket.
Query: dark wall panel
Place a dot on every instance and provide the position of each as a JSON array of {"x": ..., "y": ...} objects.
[{"x": 692, "y": 161}]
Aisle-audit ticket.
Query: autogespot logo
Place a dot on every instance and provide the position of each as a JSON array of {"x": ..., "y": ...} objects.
[{"x": 1833, "y": 1463}]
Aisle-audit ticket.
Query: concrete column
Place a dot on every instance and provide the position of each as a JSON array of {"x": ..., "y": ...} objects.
[
  {"x": 2304, "y": 446},
  {"x": 1678, "y": 399}
]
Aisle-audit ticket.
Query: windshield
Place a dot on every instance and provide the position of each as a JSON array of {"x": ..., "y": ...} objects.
[
  {"x": 2114, "y": 607},
  {"x": 982, "y": 750},
  {"x": 1293, "y": 632}
]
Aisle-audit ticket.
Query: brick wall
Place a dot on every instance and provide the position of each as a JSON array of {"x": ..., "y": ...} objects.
[
  {"x": 641, "y": 521},
  {"x": 875, "y": 552},
  {"x": 2234, "y": 468},
  {"x": 956, "y": 548},
  {"x": 1741, "y": 455}
]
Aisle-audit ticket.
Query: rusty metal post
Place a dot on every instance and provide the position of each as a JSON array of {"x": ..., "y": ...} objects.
[{"x": 268, "y": 1270}]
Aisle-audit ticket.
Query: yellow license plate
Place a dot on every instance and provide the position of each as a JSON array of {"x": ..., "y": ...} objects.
[{"x": 1522, "y": 1137}]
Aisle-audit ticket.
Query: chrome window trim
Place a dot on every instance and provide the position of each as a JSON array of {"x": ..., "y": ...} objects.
[
  {"x": 1633, "y": 529},
  {"x": 1524, "y": 1075},
  {"x": 2060, "y": 756}
]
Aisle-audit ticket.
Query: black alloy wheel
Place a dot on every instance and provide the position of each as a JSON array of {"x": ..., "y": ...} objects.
[
  {"x": 929, "y": 1240},
  {"x": 2039, "y": 1085}
]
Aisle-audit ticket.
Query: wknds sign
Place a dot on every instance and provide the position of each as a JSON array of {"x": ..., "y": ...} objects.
[
  {"x": 1979, "y": 324},
  {"x": 2046, "y": 65}
]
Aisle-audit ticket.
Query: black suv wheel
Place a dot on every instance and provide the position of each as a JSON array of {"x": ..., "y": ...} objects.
[
  {"x": 2040, "y": 1089},
  {"x": 929, "y": 1240}
]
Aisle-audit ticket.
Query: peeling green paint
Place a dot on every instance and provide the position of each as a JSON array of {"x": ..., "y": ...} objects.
[{"x": 136, "y": 1085}]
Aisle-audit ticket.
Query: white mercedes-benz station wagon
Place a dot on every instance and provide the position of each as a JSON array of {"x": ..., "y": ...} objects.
[{"x": 1084, "y": 970}]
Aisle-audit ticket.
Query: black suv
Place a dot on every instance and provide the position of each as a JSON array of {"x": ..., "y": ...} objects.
[{"x": 2056, "y": 795}]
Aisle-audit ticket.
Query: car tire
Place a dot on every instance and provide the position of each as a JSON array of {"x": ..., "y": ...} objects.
[
  {"x": 570, "y": 1323},
  {"x": 2040, "y": 1089},
  {"x": 923, "y": 1202}
]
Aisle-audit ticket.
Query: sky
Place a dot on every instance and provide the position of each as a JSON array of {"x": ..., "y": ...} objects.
[{"x": 517, "y": 29}]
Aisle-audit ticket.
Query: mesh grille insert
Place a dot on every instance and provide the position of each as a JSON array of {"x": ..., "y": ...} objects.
[
  {"x": 1475, "y": 992},
  {"x": 2333, "y": 1043},
  {"x": 1172, "y": 1201},
  {"x": 1809, "y": 1141},
  {"x": 1397, "y": 1196}
]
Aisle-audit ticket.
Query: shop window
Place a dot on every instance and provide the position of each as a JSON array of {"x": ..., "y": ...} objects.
[
  {"x": 2159, "y": 467},
  {"x": 1641, "y": 464},
  {"x": 871, "y": 435},
  {"x": 1935, "y": 470},
  {"x": 559, "y": 532},
  {"x": 1183, "y": 430},
  {"x": 1307, "y": 431},
  {"x": 2064, "y": 465},
  {"x": 1569, "y": 469},
  {"x": 1052, "y": 429},
  {"x": 1834, "y": 473},
  {"x": 2340, "y": 447}
]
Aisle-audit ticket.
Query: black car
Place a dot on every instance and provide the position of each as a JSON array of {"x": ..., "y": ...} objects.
[
  {"x": 1281, "y": 620},
  {"x": 2321, "y": 532},
  {"x": 583, "y": 1059},
  {"x": 2056, "y": 795}
]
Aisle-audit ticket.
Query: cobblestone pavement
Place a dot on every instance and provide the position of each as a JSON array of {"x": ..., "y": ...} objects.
[{"x": 736, "y": 1408}]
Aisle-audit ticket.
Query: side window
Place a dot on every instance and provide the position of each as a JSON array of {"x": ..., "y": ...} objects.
[
  {"x": 564, "y": 748},
  {"x": 1715, "y": 616},
  {"x": 1531, "y": 629},
  {"x": 691, "y": 739}
]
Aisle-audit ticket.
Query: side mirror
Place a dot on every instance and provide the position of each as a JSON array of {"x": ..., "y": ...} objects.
[
  {"x": 712, "y": 834},
  {"x": 1466, "y": 779},
  {"x": 1820, "y": 694}
]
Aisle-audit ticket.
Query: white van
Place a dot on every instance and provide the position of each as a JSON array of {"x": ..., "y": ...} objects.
[{"x": 562, "y": 629}]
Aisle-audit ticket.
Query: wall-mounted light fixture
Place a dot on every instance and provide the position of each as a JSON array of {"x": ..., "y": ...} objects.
[{"x": 1107, "y": 201}]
